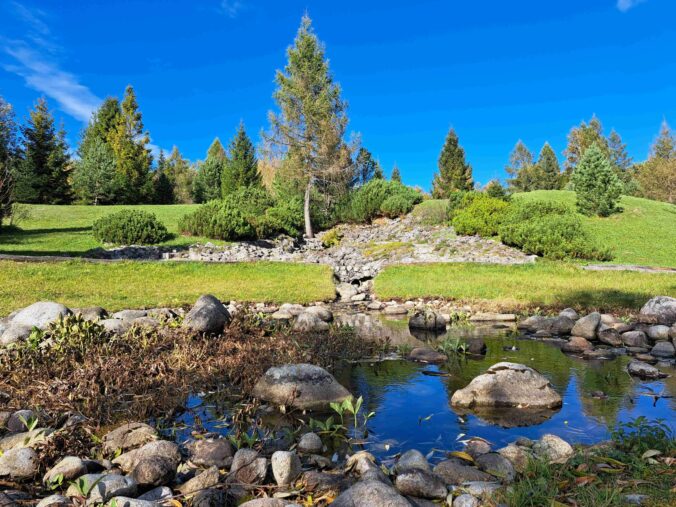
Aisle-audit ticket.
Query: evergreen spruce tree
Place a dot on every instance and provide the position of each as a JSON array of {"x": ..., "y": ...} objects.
[
  {"x": 163, "y": 190},
  {"x": 597, "y": 187},
  {"x": 207, "y": 184},
  {"x": 622, "y": 162},
  {"x": 495, "y": 189},
  {"x": 129, "y": 143},
  {"x": 241, "y": 166},
  {"x": 378, "y": 172},
  {"x": 42, "y": 175},
  {"x": 365, "y": 167},
  {"x": 180, "y": 174},
  {"x": 8, "y": 158},
  {"x": 454, "y": 172},
  {"x": 580, "y": 139},
  {"x": 94, "y": 177},
  {"x": 664, "y": 146},
  {"x": 396, "y": 174},
  {"x": 520, "y": 168},
  {"x": 310, "y": 127},
  {"x": 547, "y": 170}
]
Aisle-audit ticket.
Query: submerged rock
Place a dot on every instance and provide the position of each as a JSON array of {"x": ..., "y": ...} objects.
[
  {"x": 302, "y": 386},
  {"x": 576, "y": 345},
  {"x": 508, "y": 385},
  {"x": 644, "y": 370},
  {"x": 427, "y": 355}
]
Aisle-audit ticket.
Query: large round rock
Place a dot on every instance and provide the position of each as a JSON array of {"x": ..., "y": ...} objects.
[
  {"x": 208, "y": 315},
  {"x": 661, "y": 310},
  {"x": 303, "y": 386},
  {"x": 508, "y": 385},
  {"x": 40, "y": 314},
  {"x": 428, "y": 320}
]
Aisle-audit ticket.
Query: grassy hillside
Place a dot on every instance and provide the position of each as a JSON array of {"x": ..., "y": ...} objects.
[
  {"x": 643, "y": 233},
  {"x": 66, "y": 230},
  {"x": 122, "y": 285},
  {"x": 543, "y": 284}
]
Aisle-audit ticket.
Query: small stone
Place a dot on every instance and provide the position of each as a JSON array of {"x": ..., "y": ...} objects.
[
  {"x": 586, "y": 326},
  {"x": 129, "y": 315},
  {"x": 609, "y": 336},
  {"x": 105, "y": 487},
  {"x": 248, "y": 467},
  {"x": 453, "y": 472},
  {"x": 634, "y": 339},
  {"x": 322, "y": 312},
  {"x": 310, "y": 443},
  {"x": 211, "y": 452},
  {"x": 116, "y": 326},
  {"x": 54, "y": 501},
  {"x": 554, "y": 449},
  {"x": 496, "y": 465},
  {"x": 395, "y": 310},
  {"x": 663, "y": 350},
  {"x": 69, "y": 468},
  {"x": 17, "y": 421},
  {"x": 211, "y": 497},
  {"x": 644, "y": 370},
  {"x": 412, "y": 459},
  {"x": 158, "y": 448},
  {"x": 658, "y": 333},
  {"x": 570, "y": 313},
  {"x": 370, "y": 493},
  {"x": 156, "y": 494},
  {"x": 493, "y": 317},
  {"x": 463, "y": 500},
  {"x": 481, "y": 488},
  {"x": 281, "y": 315},
  {"x": 420, "y": 483},
  {"x": 25, "y": 439},
  {"x": 576, "y": 345},
  {"x": 91, "y": 314},
  {"x": 476, "y": 447},
  {"x": 125, "y": 501},
  {"x": 128, "y": 436},
  {"x": 154, "y": 471},
  {"x": 208, "y": 316},
  {"x": 286, "y": 467},
  {"x": 206, "y": 479},
  {"x": 310, "y": 323},
  {"x": 636, "y": 499},
  {"x": 517, "y": 456}
]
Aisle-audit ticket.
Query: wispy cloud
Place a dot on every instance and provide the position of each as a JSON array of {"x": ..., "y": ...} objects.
[
  {"x": 35, "y": 59},
  {"x": 230, "y": 7},
  {"x": 625, "y": 5}
]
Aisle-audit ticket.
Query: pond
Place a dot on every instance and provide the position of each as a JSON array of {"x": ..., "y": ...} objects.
[{"x": 411, "y": 401}]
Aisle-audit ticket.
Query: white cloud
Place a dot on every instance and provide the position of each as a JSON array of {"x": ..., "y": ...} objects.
[
  {"x": 625, "y": 5},
  {"x": 230, "y": 7}
]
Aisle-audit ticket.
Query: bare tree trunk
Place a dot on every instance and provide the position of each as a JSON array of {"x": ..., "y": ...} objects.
[{"x": 306, "y": 210}]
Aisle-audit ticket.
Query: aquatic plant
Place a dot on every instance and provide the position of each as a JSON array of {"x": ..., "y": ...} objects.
[{"x": 449, "y": 346}]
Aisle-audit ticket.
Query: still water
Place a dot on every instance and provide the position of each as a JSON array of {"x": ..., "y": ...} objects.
[{"x": 411, "y": 401}]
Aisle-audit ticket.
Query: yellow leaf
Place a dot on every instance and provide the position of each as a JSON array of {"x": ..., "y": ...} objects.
[{"x": 462, "y": 455}]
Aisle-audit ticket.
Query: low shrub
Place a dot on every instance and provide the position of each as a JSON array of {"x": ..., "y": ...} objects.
[
  {"x": 130, "y": 227},
  {"x": 396, "y": 205},
  {"x": 283, "y": 218},
  {"x": 366, "y": 202},
  {"x": 482, "y": 216},
  {"x": 458, "y": 200},
  {"x": 332, "y": 238},
  {"x": 431, "y": 212},
  {"x": 549, "y": 229},
  {"x": 233, "y": 218}
]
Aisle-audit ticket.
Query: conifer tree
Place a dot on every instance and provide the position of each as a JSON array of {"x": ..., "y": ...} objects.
[
  {"x": 180, "y": 175},
  {"x": 621, "y": 162},
  {"x": 310, "y": 127},
  {"x": 495, "y": 189},
  {"x": 94, "y": 177},
  {"x": 396, "y": 174},
  {"x": 580, "y": 139},
  {"x": 520, "y": 168},
  {"x": 42, "y": 175},
  {"x": 454, "y": 172},
  {"x": 378, "y": 172},
  {"x": 664, "y": 146},
  {"x": 163, "y": 190},
  {"x": 365, "y": 167},
  {"x": 241, "y": 166},
  {"x": 129, "y": 143},
  {"x": 547, "y": 170},
  {"x": 8, "y": 158},
  {"x": 207, "y": 184},
  {"x": 597, "y": 187}
]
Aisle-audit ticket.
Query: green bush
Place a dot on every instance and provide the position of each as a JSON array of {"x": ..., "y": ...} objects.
[
  {"x": 332, "y": 238},
  {"x": 482, "y": 216},
  {"x": 366, "y": 201},
  {"x": 232, "y": 218},
  {"x": 130, "y": 227},
  {"x": 431, "y": 212},
  {"x": 549, "y": 229},
  {"x": 458, "y": 200},
  {"x": 284, "y": 218},
  {"x": 396, "y": 205}
]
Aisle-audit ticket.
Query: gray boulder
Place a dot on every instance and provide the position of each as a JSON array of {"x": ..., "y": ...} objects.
[
  {"x": 576, "y": 345},
  {"x": 586, "y": 326},
  {"x": 609, "y": 335},
  {"x": 421, "y": 484},
  {"x": 248, "y": 467},
  {"x": 17, "y": 421},
  {"x": 204, "y": 480},
  {"x": 302, "y": 386},
  {"x": 15, "y": 333},
  {"x": 20, "y": 463},
  {"x": 464, "y": 500},
  {"x": 91, "y": 314},
  {"x": 427, "y": 320},
  {"x": 116, "y": 326},
  {"x": 128, "y": 436},
  {"x": 570, "y": 313},
  {"x": 427, "y": 355},
  {"x": 322, "y": 312},
  {"x": 661, "y": 310},
  {"x": 154, "y": 471},
  {"x": 346, "y": 291},
  {"x": 129, "y": 314},
  {"x": 208, "y": 315},
  {"x": 496, "y": 465},
  {"x": 369, "y": 494},
  {"x": 412, "y": 459},
  {"x": 635, "y": 339},
  {"x": 310, "y": 443},
  {"x": 40, "y": 314},
  {"x": 508, "y": 385},
  {"x": 554, "y": 449},
  {"x": 55, "y": 501},
  {"x": 286, "y": 467},
  {"x": 663, "y": 350},
  {"x": 105, "y": 487},
  {"x": 644, "y": 370},
  {"x": 560, "y": 325},
  {"x": 308, "y": 322},
  {"x": 395, "y": 310},
  {"x": 155, "y": 449},
  {"x": 70, "y": 468},
  {"x": 516, "y": 455},
  {"x": 658, "y": 333},
  {"x": 211, "y": 452},
  {"x": 453, "y": 472}
]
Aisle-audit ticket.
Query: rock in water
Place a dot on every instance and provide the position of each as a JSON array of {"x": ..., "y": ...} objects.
[
  {"x": 661, "y": 309},
  {"x": 427, "y": 320},
  {"x": 508, "y": 385},
  {"x": 644, "y": 370},
  {"x": 586, "y": 326},
  {"x": 208, "y": 315},
  {"x": 302, "y": 386}
]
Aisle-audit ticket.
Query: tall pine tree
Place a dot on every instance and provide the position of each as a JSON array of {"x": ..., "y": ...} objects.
[
  {"x": 396, "y": 173},
  {"x": 310, "y": 127},
  {"x": 597, "y": 187},
  {"x": 365, "y": 167},
  {"x": 129, "y": 142},
  {"x": 241, "y": 166},
  {"x": 454, "y": 172},
  {"x": 180, "y": 174},
  {"x": 8, "y": 158},
  {"x": 664, "y": 146},
  {"x": 207, "y": 184},
  {"x": 163, "y": 190},
  {"x": 42, "y": 175},
  {"x": 580, "y": 139},
  {"x": 520, "y": 168},
  {"x": 547, "y": 170}
]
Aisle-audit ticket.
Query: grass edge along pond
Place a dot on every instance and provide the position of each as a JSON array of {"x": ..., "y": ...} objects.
[
  {"x": 542, "y": 284},
  {"x": 134, "y": 284}
]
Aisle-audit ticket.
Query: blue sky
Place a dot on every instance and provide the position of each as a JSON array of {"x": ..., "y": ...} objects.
[{"x": 497, "y": 71}]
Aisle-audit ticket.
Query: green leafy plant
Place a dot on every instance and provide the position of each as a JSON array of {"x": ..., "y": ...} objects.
[
  {"x": 130, "y": 227},
  {"x": 351, "y": 406},
  {"x": 640, "y": 435},
  {"x": 31, "y": 423},
  {"x": 366, "y": 202},
  {"x": 481, "y": 217},
  {"x": 450, "y": 346},
  {"x": 332, "y": 238}
]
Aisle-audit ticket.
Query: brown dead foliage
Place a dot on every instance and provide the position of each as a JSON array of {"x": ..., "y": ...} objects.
[{"x": 148, "y": 374}]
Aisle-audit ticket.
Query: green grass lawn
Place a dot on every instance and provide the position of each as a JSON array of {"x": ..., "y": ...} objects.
[
  {"x": 66, "y": 230},
  {"x": 122, "y": 285},
  {"x": 544, "y": 284},
  {"x": 643, "y": 233}
]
